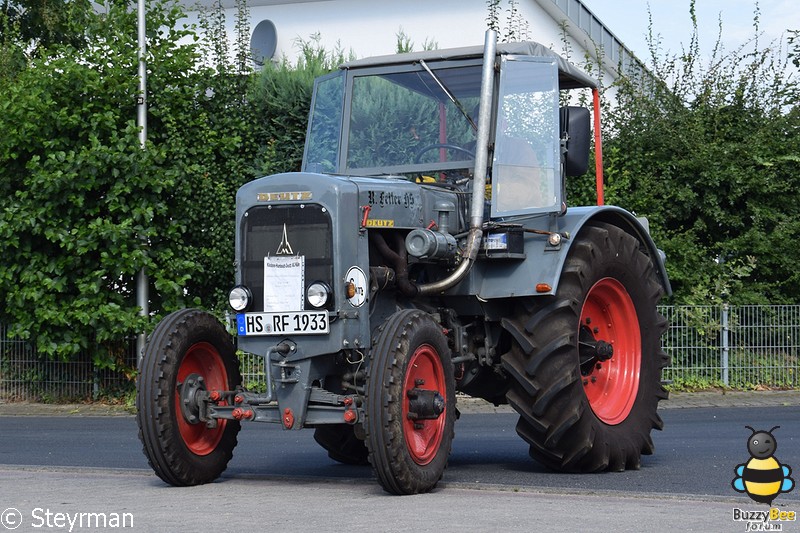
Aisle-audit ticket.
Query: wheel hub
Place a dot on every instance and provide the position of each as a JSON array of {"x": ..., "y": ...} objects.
[
  {"x": 201, "y": 369},
  {"x": 424, "y": 404},
  {"x": 593, "y": 352},
  {"x": 192, "y": 393},
  {"x": 609, "y": 348},
  {"x": 423, "y": 425}
]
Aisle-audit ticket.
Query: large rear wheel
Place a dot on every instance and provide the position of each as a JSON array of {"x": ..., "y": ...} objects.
[
  {"x": 342, "y": 444},
  {"x": 587, "y": 362},
  {"x": 410, "y": 403},
  {"x": 188, "y": 353}
]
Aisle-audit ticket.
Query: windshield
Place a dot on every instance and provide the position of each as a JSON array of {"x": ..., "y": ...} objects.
[
  {"x": 325, "y": 124},
  {"x": 526, "y": 159},
  {"x": 402, "y": 123}
]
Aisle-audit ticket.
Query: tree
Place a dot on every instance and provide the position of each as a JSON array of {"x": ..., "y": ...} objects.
[
  {"x": 44, "y": 23},
  {"x": 709, "y": 154},
  {"x": 83, "y": 208}
]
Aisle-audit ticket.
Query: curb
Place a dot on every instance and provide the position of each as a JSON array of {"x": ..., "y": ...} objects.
[{"x": 465, "y": 404}]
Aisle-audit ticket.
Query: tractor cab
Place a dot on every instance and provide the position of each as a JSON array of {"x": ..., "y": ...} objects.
[{"x": 419, "y": 120}]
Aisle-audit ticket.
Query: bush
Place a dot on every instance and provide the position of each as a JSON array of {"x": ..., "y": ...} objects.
[
  {"x": 709, "y": 154},
  {"x": 83, "y": 208}
]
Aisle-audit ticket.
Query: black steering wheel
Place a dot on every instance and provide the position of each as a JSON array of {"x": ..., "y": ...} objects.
[{"x": 446, "y": 146}]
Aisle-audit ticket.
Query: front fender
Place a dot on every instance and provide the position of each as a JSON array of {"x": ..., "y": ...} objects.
[{"x": 543, "y": 264}]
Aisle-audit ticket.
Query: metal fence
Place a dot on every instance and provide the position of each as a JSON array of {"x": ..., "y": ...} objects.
[
  {"x": 27, "y": 375},
  {"x": 736, "y": 346}
]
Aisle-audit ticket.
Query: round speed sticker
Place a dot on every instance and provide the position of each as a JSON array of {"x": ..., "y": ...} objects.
[{"x": 357, "y": 277}]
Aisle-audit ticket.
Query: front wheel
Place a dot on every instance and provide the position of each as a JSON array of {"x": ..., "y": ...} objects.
[
  {"x": 587, "y": 362},
  {"x": 410, "y": 403},
  {"x": 189, "y": 352}
]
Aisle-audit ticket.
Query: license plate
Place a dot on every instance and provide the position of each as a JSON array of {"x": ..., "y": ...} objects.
[{"x": 294, "y": 323}]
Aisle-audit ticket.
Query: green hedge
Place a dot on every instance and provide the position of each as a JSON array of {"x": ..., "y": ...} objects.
[{"x": 83, "y": 208}]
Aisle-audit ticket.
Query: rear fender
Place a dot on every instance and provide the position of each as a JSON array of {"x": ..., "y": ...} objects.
[{"x": 543, "y": 263}]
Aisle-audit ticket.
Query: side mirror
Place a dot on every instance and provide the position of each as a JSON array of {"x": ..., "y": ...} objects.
[{"x": 576, "y": 136}]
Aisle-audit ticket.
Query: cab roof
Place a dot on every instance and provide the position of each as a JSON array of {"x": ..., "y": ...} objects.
[{"x": 569, "y": 76}]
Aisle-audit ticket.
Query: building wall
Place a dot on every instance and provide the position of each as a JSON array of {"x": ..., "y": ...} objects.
[{"x": 370, "y": 27}]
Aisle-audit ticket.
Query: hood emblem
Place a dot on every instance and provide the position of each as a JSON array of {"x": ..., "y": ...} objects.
[{"x": 284, "y": 248}]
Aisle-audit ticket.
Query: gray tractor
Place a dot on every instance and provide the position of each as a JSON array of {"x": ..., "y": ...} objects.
[{"x": 426, "y": 248}]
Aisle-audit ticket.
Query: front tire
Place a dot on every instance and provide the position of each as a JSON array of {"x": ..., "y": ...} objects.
[
  {"x": 186, "y": 345},
  {"x": 587, "y": 362},
  {"x": 410, "y": 403}
]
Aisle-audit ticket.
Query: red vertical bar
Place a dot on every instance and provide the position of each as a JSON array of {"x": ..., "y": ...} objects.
[{"x": 598, "y": 148}]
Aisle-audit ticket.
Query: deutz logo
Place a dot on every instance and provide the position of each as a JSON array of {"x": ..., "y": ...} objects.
[
  {"x": 283, "y": 196},
  {"x": 284, "y": 248}
]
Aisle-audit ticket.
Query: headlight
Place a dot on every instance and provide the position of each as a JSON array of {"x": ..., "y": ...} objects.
[
  {"x": 239, "y": 298},
  {"x": 318, "y": 294}
]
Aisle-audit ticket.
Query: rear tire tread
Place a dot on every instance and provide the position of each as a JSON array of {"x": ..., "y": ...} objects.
[{"x": 562, "y": 430}]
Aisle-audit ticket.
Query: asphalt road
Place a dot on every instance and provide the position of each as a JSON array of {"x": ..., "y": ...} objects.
[
  {"x": 695, "y": 455},
  {"x": 75, "y": 500}
]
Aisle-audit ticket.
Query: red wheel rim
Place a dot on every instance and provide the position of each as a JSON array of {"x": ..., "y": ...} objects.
[
  {"x": 423, "y": 437},
  {"x": 204, "y": 360},
  {"x": 611, "y": 316}
]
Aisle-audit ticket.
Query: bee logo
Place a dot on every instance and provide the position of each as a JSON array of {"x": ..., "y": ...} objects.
[{"x": 762, "y": 477}]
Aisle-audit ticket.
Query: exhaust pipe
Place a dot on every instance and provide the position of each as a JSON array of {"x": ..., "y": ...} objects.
[{"x": 479, "y": 177}]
